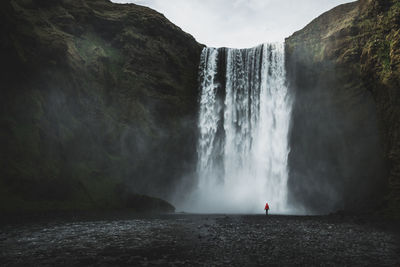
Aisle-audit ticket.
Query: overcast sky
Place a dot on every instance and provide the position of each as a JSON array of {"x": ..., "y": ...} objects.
[{"x": 239, "y": 23}]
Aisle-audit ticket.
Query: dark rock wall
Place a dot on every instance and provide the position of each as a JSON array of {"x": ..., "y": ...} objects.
[
  {"x": 95, "y": 97},
  {"x": 99, "y": 100},
  {"x": 344, "y": 72}
]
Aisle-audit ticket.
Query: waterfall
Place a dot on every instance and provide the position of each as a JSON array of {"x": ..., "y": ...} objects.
[{"x": 243, "y": 131}]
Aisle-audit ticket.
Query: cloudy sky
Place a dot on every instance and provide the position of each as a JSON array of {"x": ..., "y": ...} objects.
[{"x": 239, "y": 23}]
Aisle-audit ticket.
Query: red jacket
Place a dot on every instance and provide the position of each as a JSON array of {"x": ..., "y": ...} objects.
[{"x": 266, "y": 206}]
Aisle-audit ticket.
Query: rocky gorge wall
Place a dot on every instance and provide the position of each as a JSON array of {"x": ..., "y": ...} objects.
[
  {"x": 98, "y": 101},
  {"x": 344, "y": 70}
]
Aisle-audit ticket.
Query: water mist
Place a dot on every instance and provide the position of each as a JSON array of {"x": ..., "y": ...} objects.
[{"x": 243, "y": 131}]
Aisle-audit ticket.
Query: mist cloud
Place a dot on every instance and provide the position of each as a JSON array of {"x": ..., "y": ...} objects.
[{"x": 239, "y": 23}]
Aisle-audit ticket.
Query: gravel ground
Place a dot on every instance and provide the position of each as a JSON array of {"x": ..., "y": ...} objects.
[{"x": 201, "y": 240}]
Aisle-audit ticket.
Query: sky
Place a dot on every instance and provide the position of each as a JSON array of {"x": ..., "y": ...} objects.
[{"x": 239, "y": 23}]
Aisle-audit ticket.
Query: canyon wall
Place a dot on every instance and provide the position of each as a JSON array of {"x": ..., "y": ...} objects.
[
  {"x": 344, "y": 73},
  {"x": 98, "y": 101}
]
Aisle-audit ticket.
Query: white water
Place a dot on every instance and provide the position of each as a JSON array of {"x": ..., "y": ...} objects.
[{"x": 243, "y": 142}]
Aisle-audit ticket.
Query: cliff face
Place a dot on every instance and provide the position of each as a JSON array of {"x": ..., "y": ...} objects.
[
  {"x": 344, "y": 70},
  {"x": 86, "y": 87},
  {"x": 99, "y": 100}
]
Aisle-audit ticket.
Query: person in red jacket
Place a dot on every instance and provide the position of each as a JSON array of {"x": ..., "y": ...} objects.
[{"x": 266, "y": 208}]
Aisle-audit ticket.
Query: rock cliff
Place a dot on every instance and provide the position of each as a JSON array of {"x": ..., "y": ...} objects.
[
  {"x": 99, "y": 106},
  {"x": 344, "y": 70},
  {"x": 86, "y": 87}
]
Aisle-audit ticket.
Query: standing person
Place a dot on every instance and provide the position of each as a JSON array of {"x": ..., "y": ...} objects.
[{"x": 266, "y": 208}]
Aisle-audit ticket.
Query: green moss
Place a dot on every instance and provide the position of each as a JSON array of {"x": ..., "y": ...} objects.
[
  {"x": 394, "y": 10},
  {"x": 91, "y": 47},
  {"x": 383, "y": 53}
]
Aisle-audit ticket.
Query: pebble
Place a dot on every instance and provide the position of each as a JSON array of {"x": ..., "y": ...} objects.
[{"x": 184, "y": 240}]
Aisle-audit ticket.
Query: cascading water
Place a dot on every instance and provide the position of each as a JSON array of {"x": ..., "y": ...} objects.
[{"x": 243, "y": 123}]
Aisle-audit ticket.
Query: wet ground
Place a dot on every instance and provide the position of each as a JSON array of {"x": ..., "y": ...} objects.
[{"x": 201, "y": 240}]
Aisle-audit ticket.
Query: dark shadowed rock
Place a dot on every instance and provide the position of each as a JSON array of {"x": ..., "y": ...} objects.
[
  {"x": 93, "y": 95},
  {"x": 344, "y": 69},
  {"x": 146, "y": 204}
]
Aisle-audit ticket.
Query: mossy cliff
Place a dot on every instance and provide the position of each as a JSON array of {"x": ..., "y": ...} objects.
[
  {"x": 344, "y": 69},
  {"x": 97, "y": 100},
  {"x": 98, "y": 106}
]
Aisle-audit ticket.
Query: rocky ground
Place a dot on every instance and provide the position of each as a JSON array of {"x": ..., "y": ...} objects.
[{"x": 230, "y": 240}]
